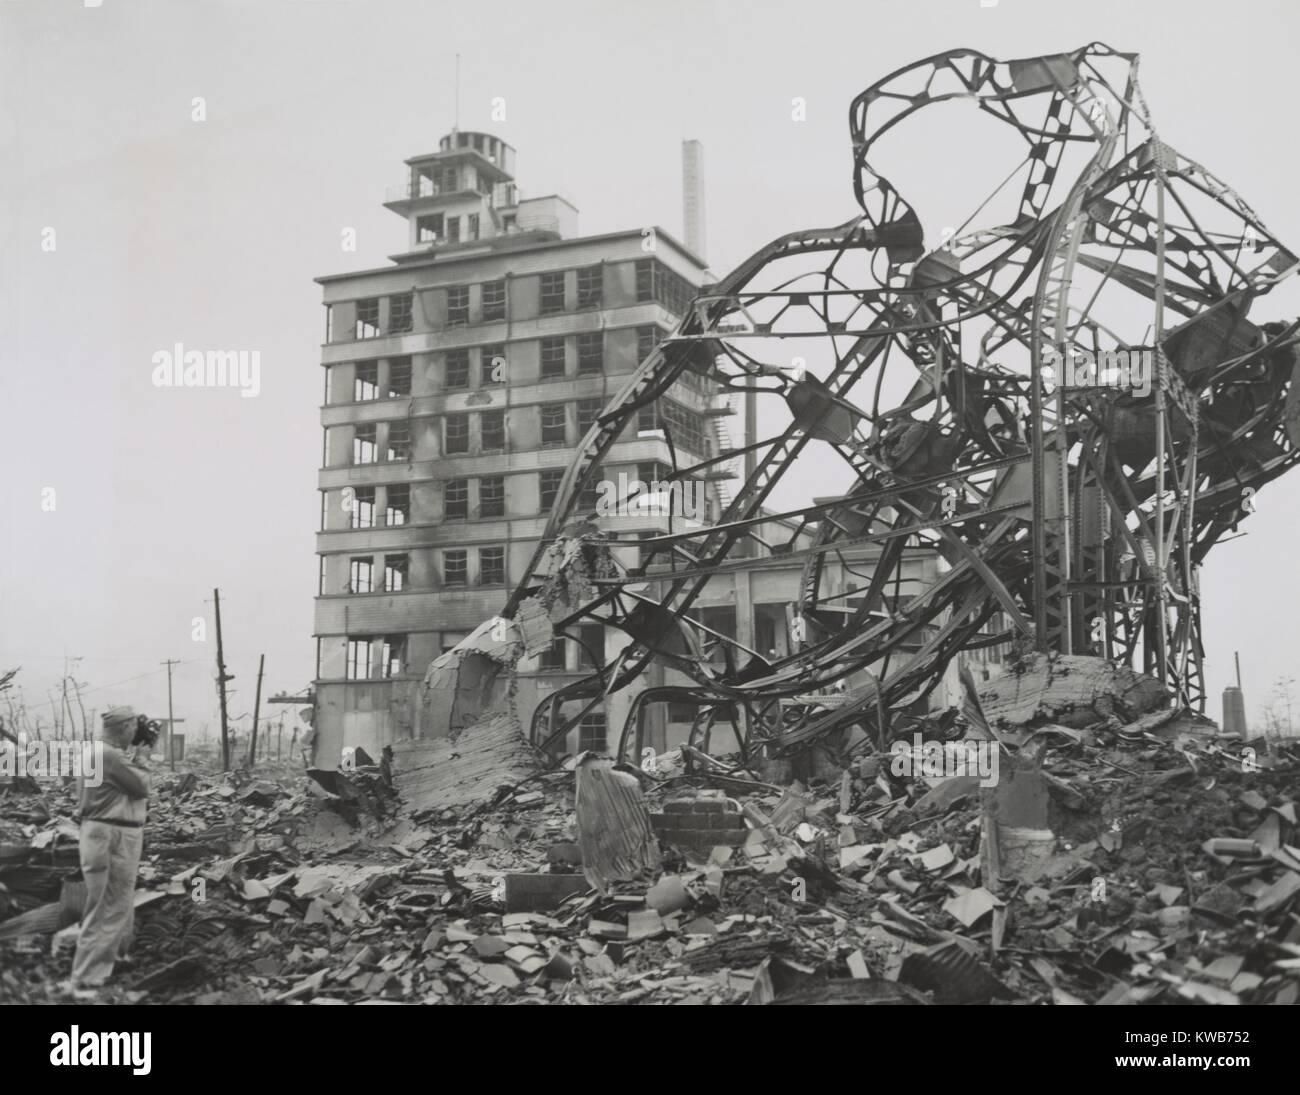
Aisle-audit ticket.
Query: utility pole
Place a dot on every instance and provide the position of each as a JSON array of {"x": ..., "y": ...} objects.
[
  {"x": 257, "y": 703},
  {"x": 171, "y": 721},
  {"x": 70, "y": 721},
  {"x": 221, "y": 687},
  {"x": 85, "y": 729}
]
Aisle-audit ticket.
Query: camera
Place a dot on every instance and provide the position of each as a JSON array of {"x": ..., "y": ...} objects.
[{"x": 146, "y": 731}]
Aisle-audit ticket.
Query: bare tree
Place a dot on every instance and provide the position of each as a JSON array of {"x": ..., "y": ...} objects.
[
  {"x": 1282, "y": 703},
  {"x": 6, "y": 683}
]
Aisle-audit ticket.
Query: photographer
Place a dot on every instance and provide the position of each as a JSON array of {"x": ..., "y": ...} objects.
[{"x": 112, "y": 835}]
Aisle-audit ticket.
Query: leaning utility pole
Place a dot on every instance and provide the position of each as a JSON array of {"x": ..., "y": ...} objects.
[
  {"x": 65, "y": 703},
  {"x": 257, "y": 703},
  {"x": 171, "y": 721},
  {"x": 221, "y": 688},
  {"x": 85, "y": 728}
]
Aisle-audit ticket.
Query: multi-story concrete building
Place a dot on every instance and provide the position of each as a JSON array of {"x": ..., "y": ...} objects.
[{"x": 458, "y": 382}]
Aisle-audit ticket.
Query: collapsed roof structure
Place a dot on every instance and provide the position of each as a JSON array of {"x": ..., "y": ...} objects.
[{"x": 990, "y": 399}]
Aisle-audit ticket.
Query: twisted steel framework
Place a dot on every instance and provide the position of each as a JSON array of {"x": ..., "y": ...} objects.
[{"x": 1075, "y": 516}]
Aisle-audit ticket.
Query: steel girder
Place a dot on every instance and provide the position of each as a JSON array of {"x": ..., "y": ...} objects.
[{"x": 1074, "y": 515}]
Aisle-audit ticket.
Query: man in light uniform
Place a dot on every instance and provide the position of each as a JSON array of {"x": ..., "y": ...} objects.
[{"x": 112, "y": 835}]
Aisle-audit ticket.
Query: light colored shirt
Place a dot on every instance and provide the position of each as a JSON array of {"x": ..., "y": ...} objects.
[{"x": 123, "y": 794}]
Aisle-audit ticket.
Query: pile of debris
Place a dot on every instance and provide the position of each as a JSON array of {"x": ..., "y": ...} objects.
[{"x": 1121, "y": 857}]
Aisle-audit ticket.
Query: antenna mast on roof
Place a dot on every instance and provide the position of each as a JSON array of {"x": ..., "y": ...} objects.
[{"x": 455, "y": 125}]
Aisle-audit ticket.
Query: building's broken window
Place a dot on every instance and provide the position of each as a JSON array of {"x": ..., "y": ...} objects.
[
  {"x": 647, "y": 338},
  {"x": 552, "y": 358},
  {"x": 492, "y": 430},
  {"x": 428, "y": 229},
  {"x": 448, "y": 179},
  {"x": 590, "y": 279},
  {"x": 399, "y": 313},
  {"x": 367, "y": 318},
  {"x": 456, "y": 370},
  {"x": 361, "y": 574},
  {"x": 362, "y": 511},
  {"x": 553, "y": 657},
  {"x": 453, "y": 230},
  {"x": 655, "y": 282},
  {"x": 394, "y": 655},
  {"x": 588, "y": 411},
  {"x": 457, "y": 305},
  {"x": 592, "y": 733},
  {"x": 492, "y": 496},
  {"x": 364, "y": 449},
  {"x": 397, "y": 510},
  {"x": 655, "y": 476},
  {"x": 552, "y": 293},
  {"x": 396, "y": 568},
  {"x": 399, "y": 441},
  {"x": 554, "y": 417},
  {"x": 473, "y": 226},
  {"x": 687, "y": 427},
  {"x": 591, "y": 646},
  {"x": 456, "y": 433},
  {"x": 494, "y": 301},
  {"x": 491, "y": 566},
  {"x": 591, "y": 352},
  {"x": 550, "y": 488},
  {"x": 650, "y": 472},
  {"x": 366, "y": 384},
  {"x": 590, "y": 494},
  {"x": 455, "y": 498},
  {"x": 455, "y": 569},
  {"x": 492, "y": 364},
  {"x": 399, "y": 377},
  {"x": 645, "y": 280},
  {"x": 360, "y": 654}
]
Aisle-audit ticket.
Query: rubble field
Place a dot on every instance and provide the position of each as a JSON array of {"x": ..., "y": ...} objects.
[{"x": 1160, "y": 866}]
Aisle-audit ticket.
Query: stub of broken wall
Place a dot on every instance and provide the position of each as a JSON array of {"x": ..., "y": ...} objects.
[{"x": 474, "y": 739}]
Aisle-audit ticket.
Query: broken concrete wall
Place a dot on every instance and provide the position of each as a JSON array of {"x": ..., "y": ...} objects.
[
  {"x": 1073, "y": 690},
  {"x": 474, "y": 740},
  {"x": 476, "y": 743},
  {"x": 466, "y": 768}
]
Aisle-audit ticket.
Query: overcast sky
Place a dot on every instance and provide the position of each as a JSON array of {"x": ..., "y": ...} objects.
[{"x": 209, "y": 232}]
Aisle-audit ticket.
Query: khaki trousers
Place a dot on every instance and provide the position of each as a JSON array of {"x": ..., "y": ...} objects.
[{"x": 110, "y": 858}]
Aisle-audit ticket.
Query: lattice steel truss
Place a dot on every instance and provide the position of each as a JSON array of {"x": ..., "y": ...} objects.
[{"x": 1076, "y": 516}]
